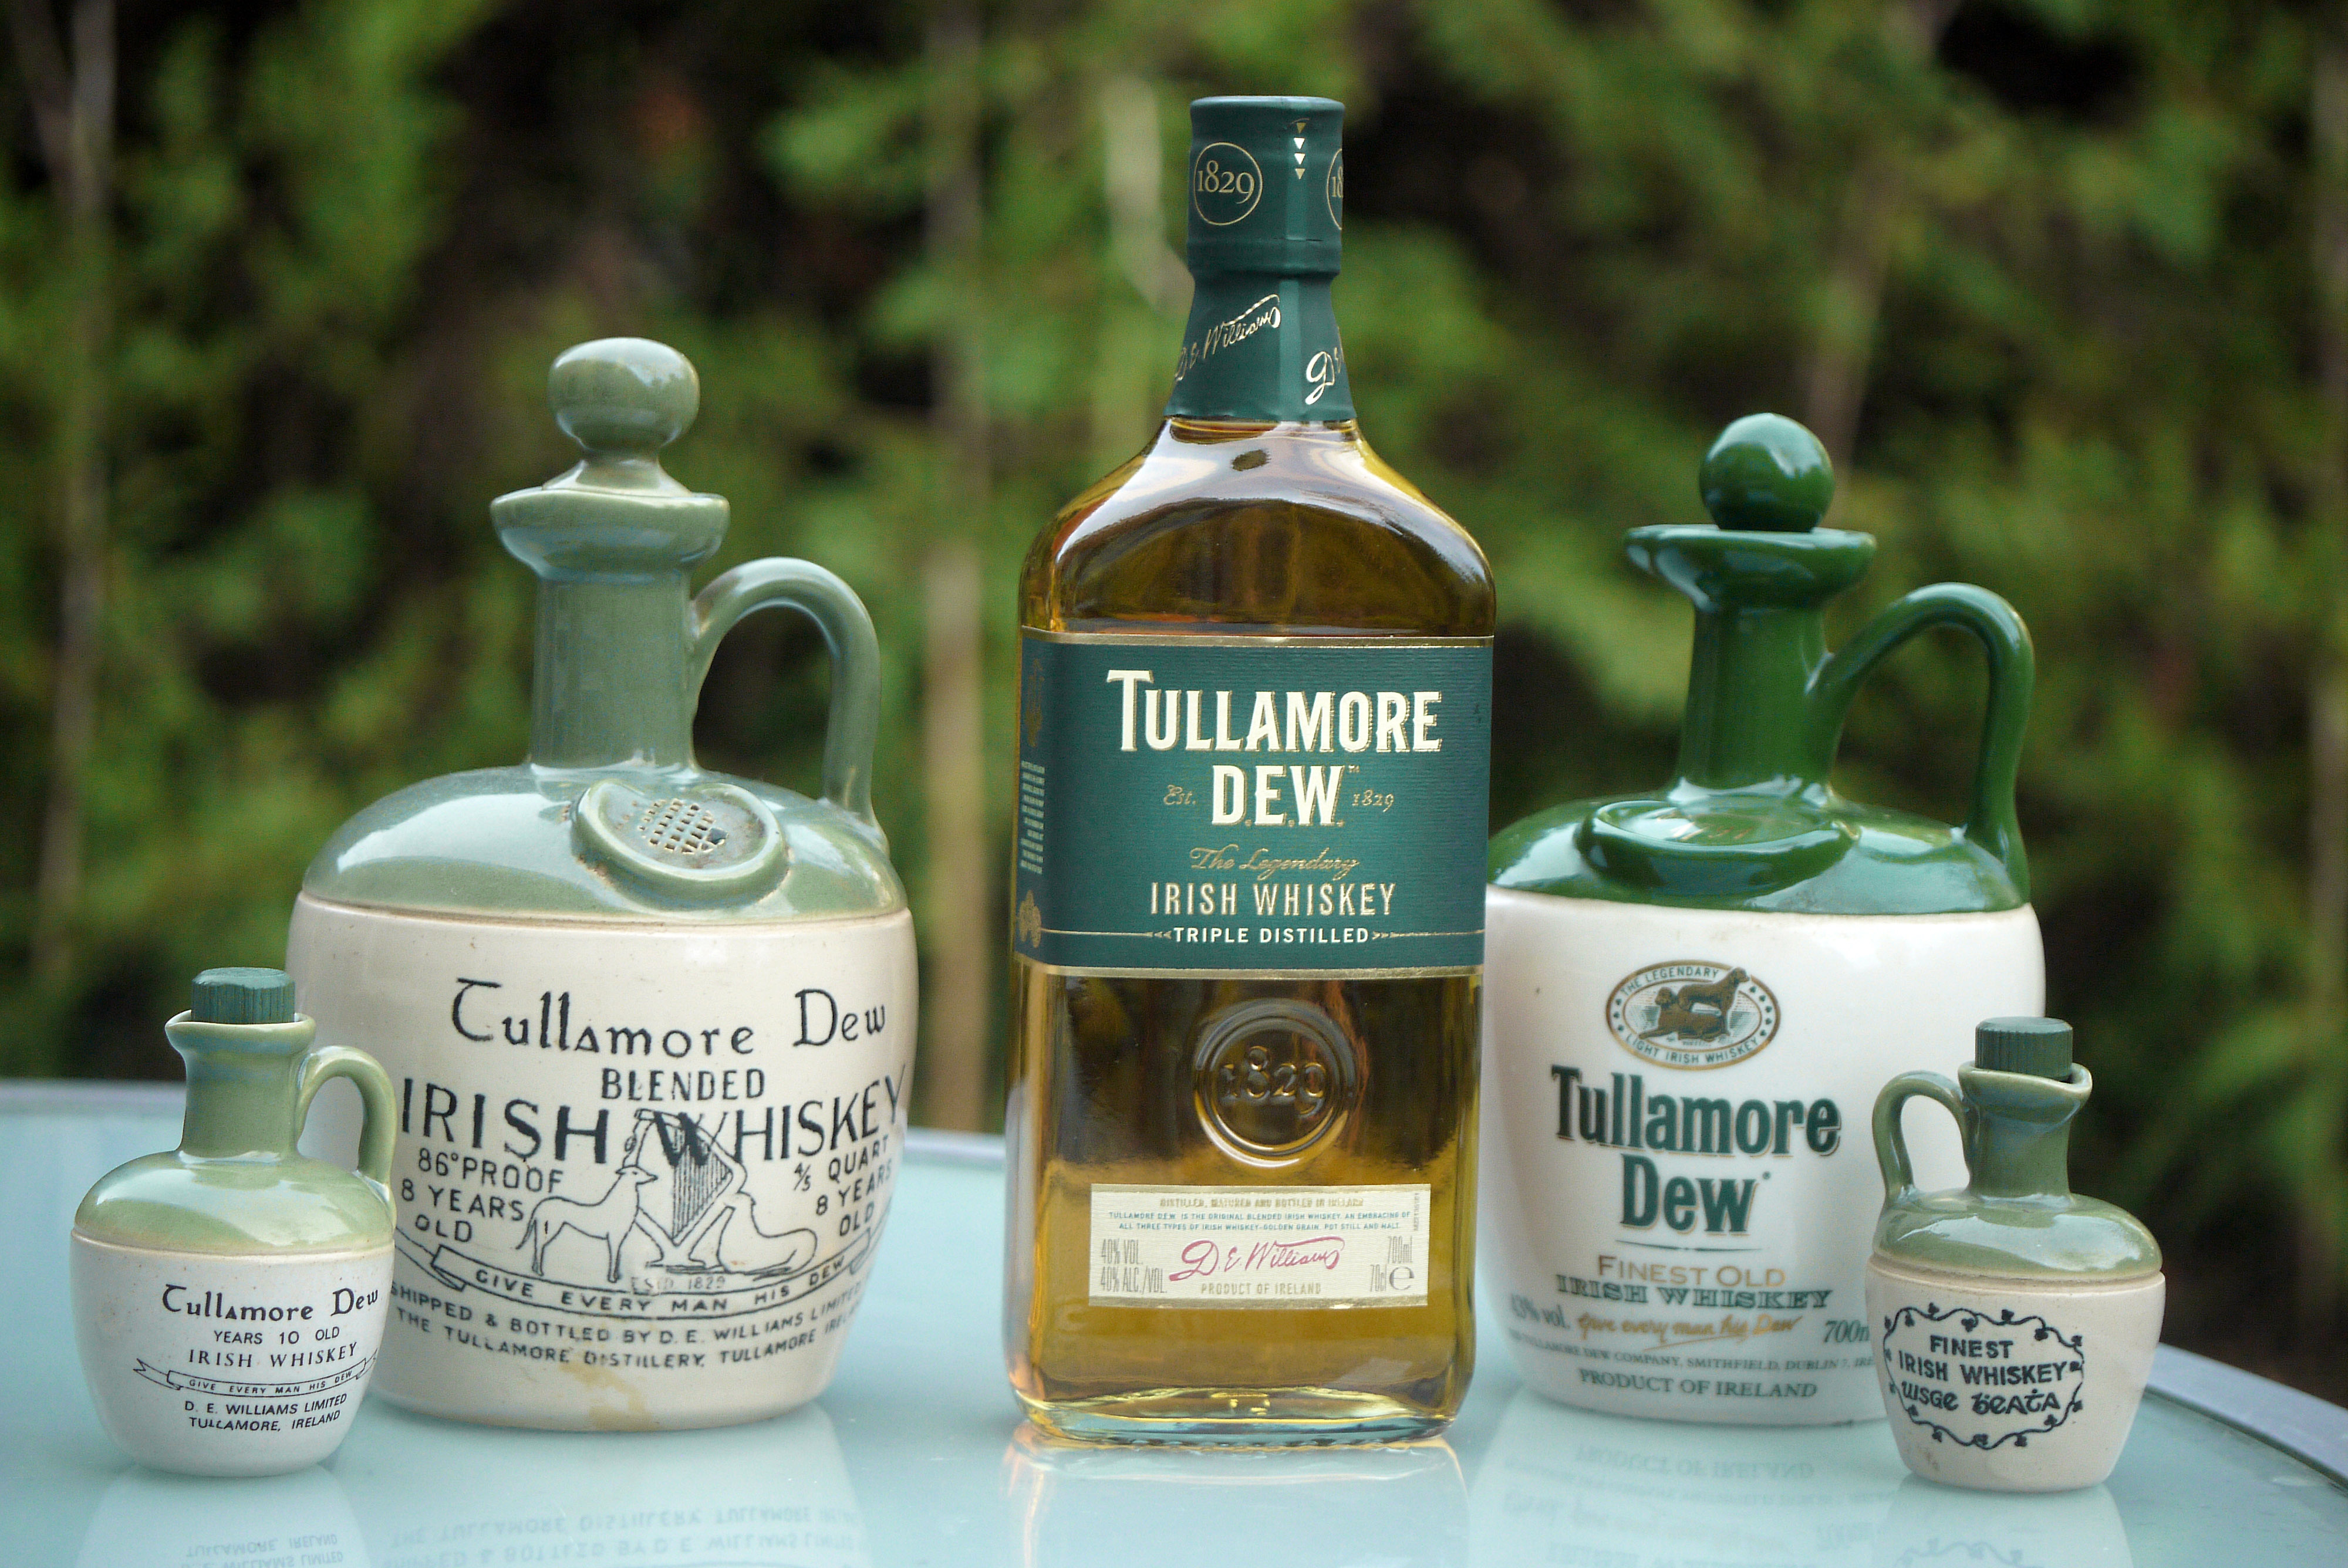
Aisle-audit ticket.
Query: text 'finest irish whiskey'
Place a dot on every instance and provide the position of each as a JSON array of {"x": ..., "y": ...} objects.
[{"x": 1255, "y": 711}]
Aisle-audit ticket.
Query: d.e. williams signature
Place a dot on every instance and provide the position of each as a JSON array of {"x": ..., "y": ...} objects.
[{"x": 1205, "y": 1258}]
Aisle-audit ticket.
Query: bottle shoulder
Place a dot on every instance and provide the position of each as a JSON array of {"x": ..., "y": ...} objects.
[
  {"x": 506, "y": 842},
  {"x": 278, "y": 1203},
  {"x": 1765, "y": 851},
  {"x": 1279, "y": 530},
  {"x": 2057, "y": 1236}
]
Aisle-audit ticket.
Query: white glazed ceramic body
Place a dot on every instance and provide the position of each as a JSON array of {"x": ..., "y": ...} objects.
[
  {"x": 217, "y": 1363},
  {"x": 2009, "y": 1384},
  {"x": 641, "y": 1169},
  {"x": 1763, "y": 1323}
]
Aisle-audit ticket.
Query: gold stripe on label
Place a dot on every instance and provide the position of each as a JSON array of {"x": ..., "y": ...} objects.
[
  {"x": 1161, "y": 639},
  {"x": 1302, "y": 977}
]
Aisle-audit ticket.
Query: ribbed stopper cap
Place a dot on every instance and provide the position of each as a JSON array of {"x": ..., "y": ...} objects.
[
  {"x": 2038, "y": 1046},
  {"x": 243, "y": 996},
  {"x": 1267, "y": 185}
]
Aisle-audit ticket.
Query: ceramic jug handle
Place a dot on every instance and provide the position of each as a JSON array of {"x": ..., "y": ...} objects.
[
  {"x": 2006, "y": 641},
  {"x": 374, "y": 1085},
  {"x": 846, "y": 629},
  {"x": 1891, "y": 1143}
]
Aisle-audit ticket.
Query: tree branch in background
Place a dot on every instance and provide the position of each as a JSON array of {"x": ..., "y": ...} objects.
[
  {"x": 1833, "y": 384},
  {"x": 1133, "y": 159},
  {"x": 72, "y": 107},
  {"x": 957, "y": 938},
  {"x": 2320, "y": 1216}
]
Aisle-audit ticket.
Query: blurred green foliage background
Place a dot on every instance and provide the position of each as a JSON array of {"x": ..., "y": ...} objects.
[{"x": 2063, "y": 284}]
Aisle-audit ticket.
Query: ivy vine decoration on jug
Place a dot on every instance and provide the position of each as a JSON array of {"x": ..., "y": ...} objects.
[
  {"x": 2016, "y": 1319},
  {"x": 230, "y": 1294},
  {"x": 1692, "y": 996},
  {"x": 651, "y": 1028}
]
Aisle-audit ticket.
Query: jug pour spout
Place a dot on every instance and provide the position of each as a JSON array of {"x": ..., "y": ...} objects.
[
  {"x": 1759, "y": 575},
  {"x": 613, "y": 540}
]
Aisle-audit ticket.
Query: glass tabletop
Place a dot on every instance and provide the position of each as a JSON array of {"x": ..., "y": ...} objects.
[{"x": 917, "y": 1456}]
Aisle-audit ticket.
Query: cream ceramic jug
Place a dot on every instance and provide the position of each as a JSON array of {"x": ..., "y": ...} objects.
[
  {"x": 649, "y": 1028},
  {"x": 1692, "y": 997}
]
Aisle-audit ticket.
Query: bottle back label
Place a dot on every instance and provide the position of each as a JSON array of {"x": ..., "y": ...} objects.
[
  {"x": 1255, "y": 805},
  {"x": 1260, "y": 1246}
]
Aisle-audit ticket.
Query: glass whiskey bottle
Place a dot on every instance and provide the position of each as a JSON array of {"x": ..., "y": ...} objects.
[{"x": 1255, "y": 707}]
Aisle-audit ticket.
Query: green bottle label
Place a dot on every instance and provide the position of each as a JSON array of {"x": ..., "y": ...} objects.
[{"x": 1251, "y": 806}]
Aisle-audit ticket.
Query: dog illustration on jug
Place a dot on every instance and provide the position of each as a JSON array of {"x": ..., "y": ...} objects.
[
  {"x": 608, "y": 1219},
  {"x": 1696, "y": 1011},
  {"x": 1692, "y": 1014},
  {"x": 670, "y": 1169}
]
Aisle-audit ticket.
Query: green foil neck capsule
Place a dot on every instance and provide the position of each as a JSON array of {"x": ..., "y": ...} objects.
[
  {"x": 1752, "y": 820},
  {"x": 613, "y": 818},
  {"x": 2017, "y": 1216},
  {"x": 1266, "y": 215}
]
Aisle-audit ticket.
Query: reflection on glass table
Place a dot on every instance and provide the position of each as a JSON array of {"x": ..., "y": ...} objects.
[
  {"x": 917, "y": 1456},
  {"x": 1404, "y": 1504},
  {"x": 1562, "y": 1485}
]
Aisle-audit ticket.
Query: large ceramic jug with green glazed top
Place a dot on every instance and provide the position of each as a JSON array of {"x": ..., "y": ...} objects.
[
  {"x": 650, "y": 1028},
  {"x": 1693, "y": 996}
]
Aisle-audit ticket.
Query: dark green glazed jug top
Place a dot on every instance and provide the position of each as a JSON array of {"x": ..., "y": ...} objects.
[
  {"x": 2017, "y": 1217},
  {"x": 611, "y": 819},
  {"x": 1752, "y": 820}
]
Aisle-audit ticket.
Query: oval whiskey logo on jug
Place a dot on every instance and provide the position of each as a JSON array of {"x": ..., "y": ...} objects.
[{"x": 1692, "y": 1015}]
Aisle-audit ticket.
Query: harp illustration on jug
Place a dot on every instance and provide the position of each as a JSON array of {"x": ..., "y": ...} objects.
[{"x": 695, "y": 1207}]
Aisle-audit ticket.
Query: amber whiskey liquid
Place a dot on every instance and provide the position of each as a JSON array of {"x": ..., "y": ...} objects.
[{"x": 1255, "y": 711}]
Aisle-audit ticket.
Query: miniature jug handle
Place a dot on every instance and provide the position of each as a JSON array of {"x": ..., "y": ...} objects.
[
  {"x": 846, "y": 629},
  {"x": 2006, "y": 642},
  {"x": 374, "y": 1085},
  {"x": 1891, "y": 1143}
]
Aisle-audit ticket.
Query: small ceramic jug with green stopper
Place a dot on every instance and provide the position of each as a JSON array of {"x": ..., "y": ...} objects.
[
  {"x": 650, "y": 1028},
  {"x": 228, "y": 1294},
  {"x": 2015, "y": 1320},
  {"x": 1693, "y": 994}
]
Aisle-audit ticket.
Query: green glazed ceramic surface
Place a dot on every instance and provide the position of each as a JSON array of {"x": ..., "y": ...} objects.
[
  {"x": 2017, "y": 1218},
  {"x": 1751, "y": 821},
  {"x": 235, "y": 1184},
  {"x": 611, "y": 819}
]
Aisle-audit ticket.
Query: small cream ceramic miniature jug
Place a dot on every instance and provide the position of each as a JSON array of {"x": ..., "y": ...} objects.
[
  {"x": 228, "y": 1294},
  {"x": 2015, "y": 1322}
]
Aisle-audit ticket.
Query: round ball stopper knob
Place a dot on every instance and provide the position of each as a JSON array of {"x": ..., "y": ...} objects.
[
  {"x": 1767, "y": 474},
  {"x": 623, "y": 395},
  {"x": 243, "y": 996}
]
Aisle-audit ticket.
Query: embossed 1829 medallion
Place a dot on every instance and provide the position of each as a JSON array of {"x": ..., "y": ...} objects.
[{"x": 1271, "y": 1078}]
